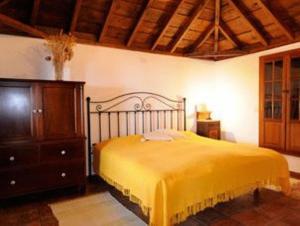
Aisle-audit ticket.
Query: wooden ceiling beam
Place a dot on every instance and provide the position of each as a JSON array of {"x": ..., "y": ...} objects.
[
  {"x": 161, "y": 34},
  {"x": 107, "y": 20},
  {"x": 209, "y": 54},
  {"x": 75, "y": 15},
  {"x": 139, "y": 23},
  {"x": 217, "y": 22},
  {"x": 250, "y": 23},
  {"x": 286, "y": 30},
  {"x": 8, "y": 21},
  {"x": 198, "y": 11},
  {"x": 4, "y": 2},
  {"x": 203, "y": 37},
  {"x": 35, "y": 11},
  {"x": 226, "y": 31}
]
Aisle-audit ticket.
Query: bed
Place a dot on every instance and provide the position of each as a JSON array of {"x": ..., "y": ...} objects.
[{"x": 171, "y": 180}]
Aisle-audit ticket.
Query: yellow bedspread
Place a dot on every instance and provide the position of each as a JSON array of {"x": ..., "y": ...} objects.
[{"x": 172, "y": 180}]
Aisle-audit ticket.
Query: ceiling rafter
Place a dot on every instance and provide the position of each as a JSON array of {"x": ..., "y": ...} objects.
[
  {"x": 250, "y": 23},
  {"x": 203, "y": 37},
  {"x": 75, "y": 15},
  {"x": 35, "y": 11},
  {"x": 139, "y": 22},
  {"x": 8, "y": 21},
  {"x": 286, "y": 30},
  {"x": 163, "y": 31},
  {"x": 226, "y": 31},
  {"x": 199, "y": 10},
  {"x": 107, "y": 20},
  {"x": 217, "y": 22}
]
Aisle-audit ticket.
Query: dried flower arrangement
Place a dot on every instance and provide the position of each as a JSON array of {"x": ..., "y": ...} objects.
[{"x": 61, "y": 47}]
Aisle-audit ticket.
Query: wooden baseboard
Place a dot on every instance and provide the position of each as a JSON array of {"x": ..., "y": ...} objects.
[{"x": 295, "y": 175}]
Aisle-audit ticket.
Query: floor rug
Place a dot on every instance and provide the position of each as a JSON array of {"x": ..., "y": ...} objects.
[{"x": 95, "y": 210}]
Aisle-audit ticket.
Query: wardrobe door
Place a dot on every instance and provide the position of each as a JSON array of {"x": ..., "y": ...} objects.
[
  {"x": 293, "y": 102},
  {"x": 60, "y": 112},
  {"x": 272, "y": 103},
  {"x": 17, "y": 110}
]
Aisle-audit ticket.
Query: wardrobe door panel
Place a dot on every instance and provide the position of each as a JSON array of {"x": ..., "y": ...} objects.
[
  {"x": 293, "y": 117},
  {"x": 17, "y": 120},
  {"x": 59, "y": 111},
  {"x": 272, "y": 99}
]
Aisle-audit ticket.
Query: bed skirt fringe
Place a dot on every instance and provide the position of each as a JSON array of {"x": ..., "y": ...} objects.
[{"x": 278, "y": 184}]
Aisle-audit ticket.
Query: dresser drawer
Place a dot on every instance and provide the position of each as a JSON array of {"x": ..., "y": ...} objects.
[
  {"x": 62, "y": 151},
  {"x": 15, "y": 182},
  {"x": 57, "y": 175},
  {"x": 18, "y": 156}
]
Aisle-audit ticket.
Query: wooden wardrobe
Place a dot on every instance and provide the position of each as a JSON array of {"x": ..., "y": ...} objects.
[
  {"x": 42, "y": 143},
  {"x": 280, "y": 102}
]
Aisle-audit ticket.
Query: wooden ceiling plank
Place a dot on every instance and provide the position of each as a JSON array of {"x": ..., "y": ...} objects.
[
  {"x": 107, "y": 20},
  {"x": 75, "y": 15},
  {"x": 287, "y": 31},
  {"x": 162, "y": 33},
  {"x": 199, "y": 10},
  {"x": 251, "y": 24},
  {"x": 226, "y": 31},
  {"x": 202, "y": 39},
  {"x": 217, "y": 22},
  {"x": 35, "y": 11},
  {"x": 8, "y": 21},
  {"x": 139, "y": 23}
]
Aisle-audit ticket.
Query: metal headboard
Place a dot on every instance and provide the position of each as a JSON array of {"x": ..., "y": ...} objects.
[{"x": 133, "y": 113}]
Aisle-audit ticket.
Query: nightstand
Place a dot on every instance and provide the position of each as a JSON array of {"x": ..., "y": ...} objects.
[{"x": 209, "y": 128}]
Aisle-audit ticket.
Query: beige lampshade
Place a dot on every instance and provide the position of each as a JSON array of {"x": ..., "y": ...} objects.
[{"x": 202, "y": 112}]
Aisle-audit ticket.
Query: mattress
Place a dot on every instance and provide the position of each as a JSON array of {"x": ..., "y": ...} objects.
[{"x": 172, "y": 180}]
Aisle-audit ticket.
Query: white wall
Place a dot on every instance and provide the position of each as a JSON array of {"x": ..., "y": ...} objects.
[
  {"x": 229, "y": 88},
  {"x": 109, "y": 72},
  {"x": 237, "y": 85}
]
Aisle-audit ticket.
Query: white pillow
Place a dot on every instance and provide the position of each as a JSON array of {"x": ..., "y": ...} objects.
[
  {"x": 171, "y": 132},
  {"x": 156, "y": 136}
]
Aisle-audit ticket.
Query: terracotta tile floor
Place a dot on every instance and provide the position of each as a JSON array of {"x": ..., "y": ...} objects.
[{"x": 272, "y": 209}]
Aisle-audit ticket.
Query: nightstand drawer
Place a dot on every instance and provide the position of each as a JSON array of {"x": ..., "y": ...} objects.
[
  {"x": 62, "y": 151},
  {"x": 210, "y": 129},
  {"x": 15, "y": 156}
]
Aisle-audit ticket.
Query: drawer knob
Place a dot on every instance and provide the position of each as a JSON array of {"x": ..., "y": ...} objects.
[
  {"x": 12, "y": 158},
  {"x": 63, "y": 174},
  {"x": 12, "y": 182},
  {"x": 63, "y": 152}
]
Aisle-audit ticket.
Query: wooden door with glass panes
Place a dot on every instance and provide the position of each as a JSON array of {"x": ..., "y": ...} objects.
[
  {"x": 272, "y": 103},
  {"x": 293, "y": 104}
]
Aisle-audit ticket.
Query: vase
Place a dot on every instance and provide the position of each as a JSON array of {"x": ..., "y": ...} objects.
[{"x": 59, "y": 71}]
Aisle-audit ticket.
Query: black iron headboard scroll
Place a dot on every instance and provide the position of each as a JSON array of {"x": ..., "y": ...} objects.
[{"x": 132, "y": 113}]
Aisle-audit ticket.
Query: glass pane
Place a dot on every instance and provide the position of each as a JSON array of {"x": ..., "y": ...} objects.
[
  {"x": 268, "y": 71},
  {"x": 295, "y": 110},
  {"x": 268, "y": 109},
  {"x": 295, "y": 67},
  {"x": 277, "y": 90},
  {"x": 268, "y": 90},
  {"x": 277, "y": 109},
  {"x": 295, "y": 92},
  {"x": 278, "y": 70}
]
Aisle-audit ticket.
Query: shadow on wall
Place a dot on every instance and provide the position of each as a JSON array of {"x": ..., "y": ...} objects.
[
  {"x": 36, "y": 62},
  {"x": 228, "y": 136}
]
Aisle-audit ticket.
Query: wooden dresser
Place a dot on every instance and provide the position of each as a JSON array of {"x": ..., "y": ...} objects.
[
  {"x": 209, "y": 128},
  {"x": 42, "y": 142}
]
